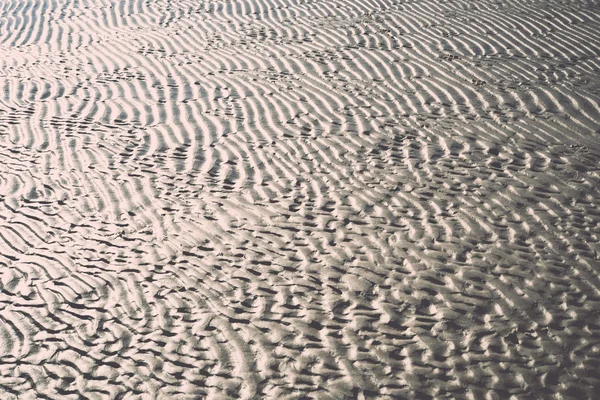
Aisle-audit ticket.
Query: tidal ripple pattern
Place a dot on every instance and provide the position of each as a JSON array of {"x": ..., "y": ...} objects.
[{"x": 299, "y": 199}]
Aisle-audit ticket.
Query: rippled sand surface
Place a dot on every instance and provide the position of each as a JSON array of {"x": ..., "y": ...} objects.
[{"x": 269, "y": 199}]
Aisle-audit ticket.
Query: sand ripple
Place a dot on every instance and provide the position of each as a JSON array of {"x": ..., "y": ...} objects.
[{"x": 299, "y": 199}]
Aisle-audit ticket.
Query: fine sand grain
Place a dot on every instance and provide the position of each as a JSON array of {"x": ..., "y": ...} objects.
[{"x": 299, "y": 199}]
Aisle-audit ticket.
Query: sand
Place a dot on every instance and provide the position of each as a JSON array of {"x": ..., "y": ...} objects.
[{"x": 269, "y": 199}]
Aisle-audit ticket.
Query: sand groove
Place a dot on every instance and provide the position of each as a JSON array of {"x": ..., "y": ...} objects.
[{"x": 299, "y": 199}]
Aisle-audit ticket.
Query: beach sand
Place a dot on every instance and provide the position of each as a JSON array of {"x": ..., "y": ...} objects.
[{"x": 301, "y": 199}]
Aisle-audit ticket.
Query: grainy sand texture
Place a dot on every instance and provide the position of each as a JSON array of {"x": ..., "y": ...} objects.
[{"x": 299, "y": 199}]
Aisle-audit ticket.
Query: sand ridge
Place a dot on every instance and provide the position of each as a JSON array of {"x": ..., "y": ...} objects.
[{"x": 299, "y": 199}]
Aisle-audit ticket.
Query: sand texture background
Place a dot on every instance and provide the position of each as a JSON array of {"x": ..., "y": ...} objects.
[{"x": 327, "y": 199}]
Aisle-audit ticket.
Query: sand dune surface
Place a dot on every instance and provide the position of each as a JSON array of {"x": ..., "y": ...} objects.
[{"x": 299, "y": 199}]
